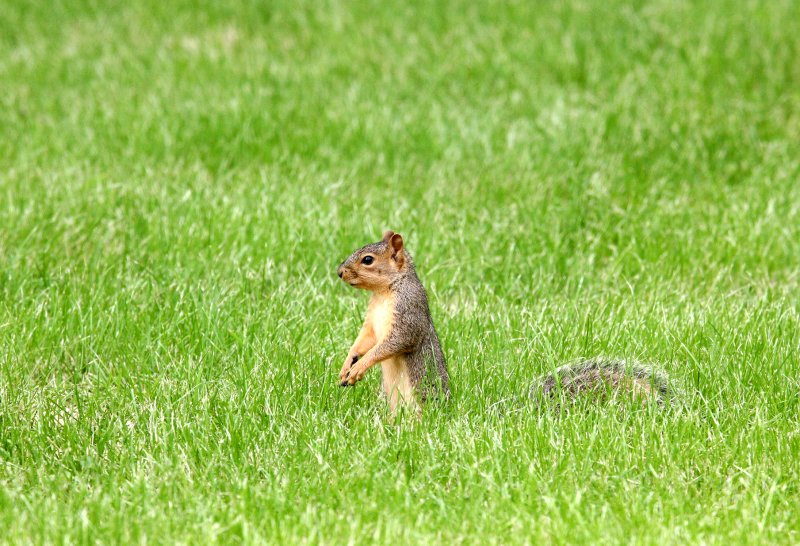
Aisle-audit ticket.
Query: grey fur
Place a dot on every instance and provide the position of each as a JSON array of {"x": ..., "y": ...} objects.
[
  {"x": 414, "y": 335},
  {"x": 599, "y": 375},
  {"x": 372, "y": 248}
]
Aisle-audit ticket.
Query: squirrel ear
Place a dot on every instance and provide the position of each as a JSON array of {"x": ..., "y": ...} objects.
[
  {"x": 396, "y": 242},
  {"x": 387, "y": 235}
]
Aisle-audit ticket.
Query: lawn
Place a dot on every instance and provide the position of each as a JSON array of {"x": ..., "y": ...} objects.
[{"x": 180, "y": 179}]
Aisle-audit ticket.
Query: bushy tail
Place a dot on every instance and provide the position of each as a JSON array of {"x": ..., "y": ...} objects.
[{"x": 602, "y": 378}]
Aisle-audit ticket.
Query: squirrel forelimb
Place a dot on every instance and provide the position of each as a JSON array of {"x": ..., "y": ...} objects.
[
  {"x": 363, "y": 343},
  {"x": 360, "y": 366}
]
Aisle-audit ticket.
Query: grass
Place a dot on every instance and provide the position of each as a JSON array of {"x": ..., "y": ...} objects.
[{"x": 179, "y": 180}]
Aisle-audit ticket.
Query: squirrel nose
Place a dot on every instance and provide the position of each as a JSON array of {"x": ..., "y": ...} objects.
[{"x": 340, "y": 272}]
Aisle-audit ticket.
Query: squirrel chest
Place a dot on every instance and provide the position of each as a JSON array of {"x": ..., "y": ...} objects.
[
  {"x": 380, "y": 315},
  {"x": 396, "y": 379}
]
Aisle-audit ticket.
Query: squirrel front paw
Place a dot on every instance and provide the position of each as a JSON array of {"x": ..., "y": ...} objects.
[
  {"x": 355, "y": 374},
  {"x": 348, "y": 364}
]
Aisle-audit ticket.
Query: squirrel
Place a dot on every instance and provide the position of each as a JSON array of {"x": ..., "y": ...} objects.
[{"x": 398, "y": 333}]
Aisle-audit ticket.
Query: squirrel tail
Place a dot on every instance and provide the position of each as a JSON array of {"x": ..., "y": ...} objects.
[{"x": 604, "y": 378}]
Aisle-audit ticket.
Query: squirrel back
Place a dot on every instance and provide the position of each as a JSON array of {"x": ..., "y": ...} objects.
[{"x": 412, "y": 322}]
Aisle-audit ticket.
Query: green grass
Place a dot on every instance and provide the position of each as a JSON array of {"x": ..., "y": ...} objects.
[{"x": 179, "y": 180}]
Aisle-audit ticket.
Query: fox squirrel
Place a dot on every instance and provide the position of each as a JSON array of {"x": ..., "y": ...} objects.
[
  {"x": 398, "y": 331},
  {"x": 399, "y": 334}
]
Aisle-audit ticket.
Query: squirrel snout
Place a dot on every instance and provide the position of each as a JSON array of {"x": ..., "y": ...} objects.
[{"x": 340, "y": 271}]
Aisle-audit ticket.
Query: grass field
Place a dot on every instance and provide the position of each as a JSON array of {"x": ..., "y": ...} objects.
[{"x": 179, "y": 181}]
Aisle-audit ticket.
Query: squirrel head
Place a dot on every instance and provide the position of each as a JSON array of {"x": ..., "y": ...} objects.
[{"x": 375, "y": 266}]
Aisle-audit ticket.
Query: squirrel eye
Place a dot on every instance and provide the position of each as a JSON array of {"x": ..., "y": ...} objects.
[{"x": 367, "y": 260}]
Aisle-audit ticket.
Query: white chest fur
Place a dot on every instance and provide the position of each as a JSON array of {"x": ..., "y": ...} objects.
[
  {"x": 381, "y": 309},
  {"x": 396, "y": 380}
]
